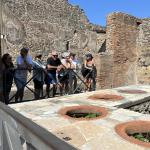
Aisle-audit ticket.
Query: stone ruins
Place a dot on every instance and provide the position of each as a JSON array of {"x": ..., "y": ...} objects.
[{"x": 121, "y": 50}]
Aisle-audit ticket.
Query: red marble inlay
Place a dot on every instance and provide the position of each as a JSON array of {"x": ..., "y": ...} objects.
[
  {"x": 106, "y": 97},
  {"x": 133, "y": 127},
  {"x": 132, "y": 91},
  {"x": 93, "y": 109}
]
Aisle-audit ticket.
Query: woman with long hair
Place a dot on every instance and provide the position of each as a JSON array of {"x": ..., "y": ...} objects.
[
  {"x": 8, "y": 75},
  {"x": 89, "y": 73}
]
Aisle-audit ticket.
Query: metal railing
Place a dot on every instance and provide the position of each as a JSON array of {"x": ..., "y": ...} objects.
[
  {"x": 20, "y": 133},
  {"x": 73, "y": 76}
]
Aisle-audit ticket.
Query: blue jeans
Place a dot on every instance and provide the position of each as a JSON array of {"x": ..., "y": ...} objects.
[{"x": 50, "y": 78}]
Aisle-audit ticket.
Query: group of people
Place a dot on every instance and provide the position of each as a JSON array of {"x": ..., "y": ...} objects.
[
  {"x": 18, "y": 74},
  {"x": 55, "y": 73}
]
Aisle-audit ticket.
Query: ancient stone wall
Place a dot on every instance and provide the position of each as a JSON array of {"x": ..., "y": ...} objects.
[
  {"x": 143, "y": 45},
  {"x": 44, "y": 25},
  {"x": 104, "y": 70},
  {"x": 122, "y": 32},
  {"x": 126, "y": 59}
]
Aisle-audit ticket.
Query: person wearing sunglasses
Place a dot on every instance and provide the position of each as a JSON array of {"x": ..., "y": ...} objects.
[{"x": 53, "y": 63}]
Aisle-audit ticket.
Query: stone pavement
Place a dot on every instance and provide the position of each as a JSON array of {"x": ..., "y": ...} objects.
[{"x": 97, "y": 134}]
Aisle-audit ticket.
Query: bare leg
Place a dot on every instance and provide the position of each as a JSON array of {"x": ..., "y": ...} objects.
[
  {"x": 47, "y": 90},
  {"x": 66, "y": 87},
  {"x": 17, "y": 96},
  {"x": 86, "y": 84},
  {"x": 21, "y": 94},
  {"x": 54, "y": 90},
  {"x": 61, "y": 88},
  {"x": 74, "y": 83},
  {"x": 41, "y": 92},
  {"x": 89, "y": 84}
]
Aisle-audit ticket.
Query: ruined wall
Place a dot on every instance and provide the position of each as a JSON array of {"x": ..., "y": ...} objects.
[
  {"x": 44, "y": 25},
  {"x": 127, "y": 57},
  {"x": 104, "y": 70},
  {"x": 143, "y": 45},
  {"x": 122, "y": 32}
]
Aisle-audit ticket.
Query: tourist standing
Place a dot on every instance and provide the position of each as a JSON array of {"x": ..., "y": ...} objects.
[
  {"x": 89, "y": 72},
  {"x": 24, "y": 64},
  {"x": 76, "y": 67},
  {"x": 53, "y": 64},
  {"x": 39, "y": 76},
  {"x": 8, "y": 75},
  {"x": 69, "y": 66}
]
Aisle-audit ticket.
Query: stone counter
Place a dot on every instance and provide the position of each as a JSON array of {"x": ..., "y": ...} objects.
[{"x": 96, "y": 134}]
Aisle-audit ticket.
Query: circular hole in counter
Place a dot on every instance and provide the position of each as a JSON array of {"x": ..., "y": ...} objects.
[
  {"x": 137, "y": 132},
  {"x": 106, "y": 97},
  {"x": 85, "y": 112},
  {"x": 132, "y": 91}
]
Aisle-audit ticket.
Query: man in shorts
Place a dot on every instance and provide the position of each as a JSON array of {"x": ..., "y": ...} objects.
[{"x": 53, "y": 64}]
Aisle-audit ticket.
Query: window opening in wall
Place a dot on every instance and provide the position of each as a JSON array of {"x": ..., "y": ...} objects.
[
  {"x": 67, "y": 46},
  {"x": 103, "y": 47},
  {"x": 98, "y": 31},
  {"x": 75, "y": 31},
  {"x": 138, "y": 23}
]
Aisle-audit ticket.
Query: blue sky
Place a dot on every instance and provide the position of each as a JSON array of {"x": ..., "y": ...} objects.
[{"x": 97, "y": 10}]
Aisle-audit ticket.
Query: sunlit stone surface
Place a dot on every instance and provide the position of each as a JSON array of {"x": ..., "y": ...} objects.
[{"x": 91, "y": 134}]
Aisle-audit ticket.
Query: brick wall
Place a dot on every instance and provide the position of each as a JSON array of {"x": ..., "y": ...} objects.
[
  {"x": 104, "y": 70},
  {"x": 143, "y": 45},
  {"x": 122, "y": 32}
]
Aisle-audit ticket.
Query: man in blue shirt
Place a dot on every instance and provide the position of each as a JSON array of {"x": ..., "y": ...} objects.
[{"x": 39, "y": 76}]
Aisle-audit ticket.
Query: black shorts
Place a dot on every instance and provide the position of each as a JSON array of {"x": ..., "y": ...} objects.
[
  {"x": 38, "y": 84},
  {"x": 87, "y": 74},
  {"x": 63, "y": 78}
]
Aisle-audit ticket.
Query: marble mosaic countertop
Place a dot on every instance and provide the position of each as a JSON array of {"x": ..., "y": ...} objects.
[{"x": 97, "y": 134}]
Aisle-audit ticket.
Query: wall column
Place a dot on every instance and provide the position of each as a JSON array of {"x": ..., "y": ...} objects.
[{"x": 1, "y": 51}]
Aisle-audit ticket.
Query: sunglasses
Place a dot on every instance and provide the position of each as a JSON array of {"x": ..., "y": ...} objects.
[{"x": 55, "y": 55}]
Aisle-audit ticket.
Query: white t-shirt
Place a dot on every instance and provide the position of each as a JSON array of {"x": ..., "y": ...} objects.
[
  {"x": 21, "y": 73},
  {"x": 63, "y": 61},
  {"x": 20, "y": 60}
]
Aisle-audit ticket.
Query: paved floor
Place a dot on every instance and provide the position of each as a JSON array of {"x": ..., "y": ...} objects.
[{"x": 96, "y": 134}]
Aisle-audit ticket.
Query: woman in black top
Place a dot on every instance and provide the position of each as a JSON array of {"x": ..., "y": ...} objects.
[
  {"x": 8, "y": 75},
  {"x": 89, "y": 73}
]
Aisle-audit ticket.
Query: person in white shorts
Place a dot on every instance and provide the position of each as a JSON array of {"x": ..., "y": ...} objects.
[{"x": 24, "y": 64}]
